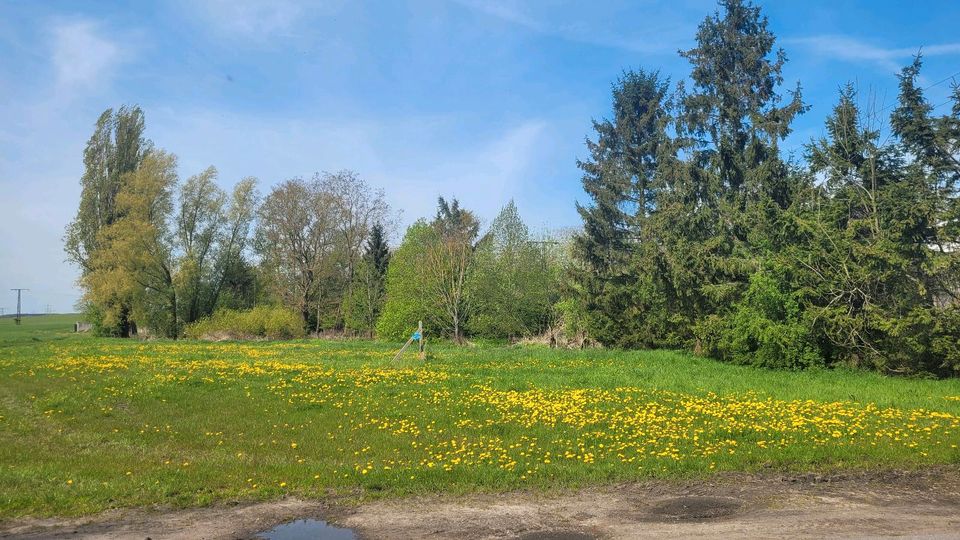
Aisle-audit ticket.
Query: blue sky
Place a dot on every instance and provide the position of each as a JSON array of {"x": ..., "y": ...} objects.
[{"x": 485, "y": 101}]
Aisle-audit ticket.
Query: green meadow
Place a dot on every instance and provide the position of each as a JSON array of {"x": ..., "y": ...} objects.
[{"x": 88, "y": 424}]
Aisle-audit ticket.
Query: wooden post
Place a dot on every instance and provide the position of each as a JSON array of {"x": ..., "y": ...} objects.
[
  {"x": 419, "y": 333},
  {"x": 422, "y": 354}
]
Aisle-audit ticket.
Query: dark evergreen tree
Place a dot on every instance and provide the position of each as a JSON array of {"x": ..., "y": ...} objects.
[
  {"x": 366, "y": 297},
  {"x": 732, "y": 123},
  {"x": 451, "y": 220},
  {"x": 933, "y": 146},
  {"x": 377, "y": 253},
  {"x": 620, "y": 179},
  {"x": 734, "y": 115}
]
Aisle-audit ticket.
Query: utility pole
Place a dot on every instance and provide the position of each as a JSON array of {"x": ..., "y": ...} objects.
[
  {"x": 17, "y": 318},
  {"x": 49, "y": 310}
]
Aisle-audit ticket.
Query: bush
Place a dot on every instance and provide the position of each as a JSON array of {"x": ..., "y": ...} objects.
[
  {"x": 269, "y": 322},
  {"x": 946, "y": 339},
  {"x": 764, "y": 329}
]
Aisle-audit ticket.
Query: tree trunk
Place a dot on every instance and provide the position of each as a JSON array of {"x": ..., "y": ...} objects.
[
  {"x": 173, "y": 312},
  {"x": 124, "y": 324},
  {"x": 457, "y": 334}
]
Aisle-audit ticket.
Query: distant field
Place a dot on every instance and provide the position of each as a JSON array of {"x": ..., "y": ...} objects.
[
  {"x": 88, "y": 424},
  {"x": 38, "y": 326}
]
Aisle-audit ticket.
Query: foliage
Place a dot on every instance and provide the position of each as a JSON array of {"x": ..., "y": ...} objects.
[
  {"x": 406, "y": 302},
  {"x": 764, "y": 329},
  {"x": 366, "y": 296},
  {"x": 945, "y": 338},
  {"x": 212, "y": 236},
  {"x": 448, "y": 262},
  {"x": 503, "y": 285},
  {"x": 699, "y": 235},
  {"x": 154, "y": 252},
  {"x": 310, "y": 238},
  {"x": 116, "y": 148},
  {"x": 270, "y": 322},
  {"x": 571, "y": 323},
  {"x": 619, "y": 178},
  {"x": 131, "y": 275},
  {"x": 513, "y": 281}
]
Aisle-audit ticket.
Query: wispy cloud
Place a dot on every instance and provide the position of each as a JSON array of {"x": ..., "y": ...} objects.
[
  {"x": 64, "y": 73},
  {"x": 854, "y": 50},
  {"x": 402, "y": 155},
  {"x": 667, "y": 36},
  {"x": 254, "y": 17},
  {"x": 258, "y": 20},
  {"x": 82, "y": 57},
  {"x": 484, "y": 176}
]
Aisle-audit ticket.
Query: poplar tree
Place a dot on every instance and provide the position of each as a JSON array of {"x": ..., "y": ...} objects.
[{"x": 116, "y": 148}]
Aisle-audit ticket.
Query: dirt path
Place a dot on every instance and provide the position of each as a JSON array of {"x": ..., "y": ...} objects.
[{"x": 924, "y": 504}]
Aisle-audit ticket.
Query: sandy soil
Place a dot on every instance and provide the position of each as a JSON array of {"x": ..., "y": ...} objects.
[{"x": 919, "y": 504}]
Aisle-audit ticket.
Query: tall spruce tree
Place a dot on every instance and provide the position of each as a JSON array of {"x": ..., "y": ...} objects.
[
  {"x": 377, "y": 251},
  {"x": 619, "y": 177},
  {"x": 927, "y": 219},
  {"x": 933, "y": 146},
  {"x": 733, "y": 115},
  {"x": 863, "y": 260},
  {"x": 733, "y": 121}
]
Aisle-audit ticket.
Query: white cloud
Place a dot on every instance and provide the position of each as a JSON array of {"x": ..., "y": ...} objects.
[
  {"x": 483, "y": 176},
  {"x": 40, "y": 160},
  {"x": 254, "y": 17},
  {"x": 670, "y": 32},
  {"x": 414, "y": 159},
  {"x": 854, "y": 50},
  {"x": 82, "y": 57},
  {"x": 258, "y": 20}
]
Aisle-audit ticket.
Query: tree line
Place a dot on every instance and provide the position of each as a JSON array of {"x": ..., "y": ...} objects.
[
  {"x": 699, "y": 233},
  {"x": 158, "y": 254}
]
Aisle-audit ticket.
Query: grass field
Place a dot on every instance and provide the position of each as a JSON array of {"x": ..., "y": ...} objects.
[{"x": 88, "y": 424}]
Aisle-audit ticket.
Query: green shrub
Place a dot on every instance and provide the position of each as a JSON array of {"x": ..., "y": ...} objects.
[
  {"x": 764, "y": 329},
  {"x": 946, "y": 339},
  {"x": 269, "y": 322}
]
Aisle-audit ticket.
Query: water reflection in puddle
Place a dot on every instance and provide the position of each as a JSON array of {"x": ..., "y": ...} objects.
[{"x": 307, "y": 529}]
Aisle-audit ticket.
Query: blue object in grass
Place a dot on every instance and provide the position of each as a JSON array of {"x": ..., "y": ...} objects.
[{"x": 417, "y": 336}]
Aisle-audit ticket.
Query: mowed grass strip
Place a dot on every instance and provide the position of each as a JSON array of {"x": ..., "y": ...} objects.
[{"x": 88, "y": 424}]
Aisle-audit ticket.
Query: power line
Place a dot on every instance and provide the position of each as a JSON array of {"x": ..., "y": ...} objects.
[
  {"x": 942, "y": 80},
  {"x": 924, "y": 89},
  {"x": 17, "y": 318}
]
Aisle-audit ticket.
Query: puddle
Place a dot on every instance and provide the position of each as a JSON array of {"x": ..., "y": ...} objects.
[
  {"x": 696, "y": 508},
  {"x": 557, "y": 535},
  {"x": 307, "y": 529}
]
